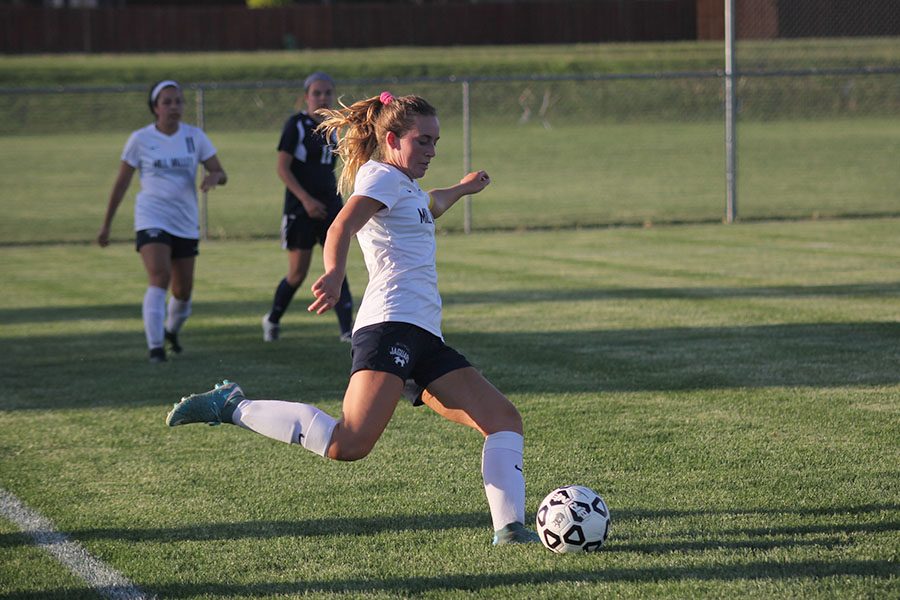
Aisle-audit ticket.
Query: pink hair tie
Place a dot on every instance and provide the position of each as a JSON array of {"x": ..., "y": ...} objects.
[{"x": 386, "y": 97}]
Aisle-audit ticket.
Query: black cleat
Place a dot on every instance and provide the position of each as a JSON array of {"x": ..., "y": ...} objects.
[
  {"x": 157, "y": 355},
  {"x": 172, "y": 340}
]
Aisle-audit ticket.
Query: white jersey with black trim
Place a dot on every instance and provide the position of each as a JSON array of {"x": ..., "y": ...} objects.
[
  {"x": 168, "y": 171},
  {"x": 399, "y": 248}
]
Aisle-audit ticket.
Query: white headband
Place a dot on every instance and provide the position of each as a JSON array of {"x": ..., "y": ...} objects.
[{"x": 160, "y": 86}]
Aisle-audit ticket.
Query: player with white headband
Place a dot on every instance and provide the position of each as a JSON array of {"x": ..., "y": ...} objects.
[{"x": 167, "y": 153}]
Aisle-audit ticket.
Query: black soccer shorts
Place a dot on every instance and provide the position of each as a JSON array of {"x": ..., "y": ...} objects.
[
  {"x": 181, "y": 247},
  {"x": 300, "y": 232},
  {"x": 408, "y": 351}
]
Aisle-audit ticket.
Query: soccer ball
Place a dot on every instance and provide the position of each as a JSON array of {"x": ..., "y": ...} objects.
[{"x": 573, "y": 518}]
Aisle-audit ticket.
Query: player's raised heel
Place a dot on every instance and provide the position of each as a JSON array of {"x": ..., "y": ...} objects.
[
  {"x": 214, "y": 407},
  {"x": 515, "y": 533}
]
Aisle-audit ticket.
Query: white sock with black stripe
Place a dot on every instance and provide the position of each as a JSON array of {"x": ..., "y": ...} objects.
[
  {"x": 504, "y": 481},
  {"x": 288, "y": 422}
]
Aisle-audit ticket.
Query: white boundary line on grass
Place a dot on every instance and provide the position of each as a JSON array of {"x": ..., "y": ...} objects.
[{"x": 102, "y": 578}]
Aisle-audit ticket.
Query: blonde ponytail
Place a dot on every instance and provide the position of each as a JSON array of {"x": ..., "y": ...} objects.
[{"x": 362, "y": 127}]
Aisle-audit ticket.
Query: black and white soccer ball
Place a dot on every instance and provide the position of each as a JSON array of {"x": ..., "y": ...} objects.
[{"x": 573, "y": 518}]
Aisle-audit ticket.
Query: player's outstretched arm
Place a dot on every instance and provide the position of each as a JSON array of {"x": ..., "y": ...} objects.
[{"x": 442, "y": 199}]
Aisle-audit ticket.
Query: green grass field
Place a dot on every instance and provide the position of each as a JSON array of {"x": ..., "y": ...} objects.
[
  {"x": 732, "y": 391},
  {"x": 593, "y": 175}
]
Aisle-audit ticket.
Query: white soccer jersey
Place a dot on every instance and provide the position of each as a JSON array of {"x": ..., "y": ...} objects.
[
  {"x": 399, "y": 249},
  {"x": 168, "y": 170}
]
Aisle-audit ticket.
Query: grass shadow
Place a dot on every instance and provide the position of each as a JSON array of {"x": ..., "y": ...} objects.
[
  {"x": 369, "y": 526},
  {"x": 817, "y": 355},
  {"x": 110, "y": 369},
  {"x": 22, "y": 315},
  {"x": 482, "y": 582},
  {"x": 755, "y": 540}
]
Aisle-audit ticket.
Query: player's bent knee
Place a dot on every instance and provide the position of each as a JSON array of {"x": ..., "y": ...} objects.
[
  {"x": 505, "y": 417},
  {"x": 345, "y": 455},
  {"x": 349, "y": 452}
]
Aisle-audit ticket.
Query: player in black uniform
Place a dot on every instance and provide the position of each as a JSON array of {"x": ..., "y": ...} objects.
[{"x": 311, "y": 201}]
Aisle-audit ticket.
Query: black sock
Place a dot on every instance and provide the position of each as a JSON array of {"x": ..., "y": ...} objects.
[
  {"x": 284, "y": 293},
  {"x": 344, "y": 308}
]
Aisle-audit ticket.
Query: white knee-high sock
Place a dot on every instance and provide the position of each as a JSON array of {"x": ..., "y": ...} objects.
[
  {"x": 177, "y": 314},
  {"x": 289, "y": 422},
  {"x": 154, "y": 311},
  {"x": 504, "y": 482}
]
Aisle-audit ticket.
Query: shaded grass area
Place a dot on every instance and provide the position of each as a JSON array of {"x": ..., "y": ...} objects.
[{"x": 678, "y": 358}]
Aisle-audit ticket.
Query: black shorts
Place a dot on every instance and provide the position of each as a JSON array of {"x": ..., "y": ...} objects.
[
  {"x": 408, "y": 351},
  {"x": 300, "y": 232},
  {"x": 181, "y": 247}
]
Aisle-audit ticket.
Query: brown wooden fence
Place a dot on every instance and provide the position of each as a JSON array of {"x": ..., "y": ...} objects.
[
  {"x": 766, "y": 19},
  {"x": 26, "y": 29}
]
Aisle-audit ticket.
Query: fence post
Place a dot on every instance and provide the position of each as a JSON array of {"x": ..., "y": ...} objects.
[
  {"x": 730, "y": 118},
  {"x": 467, "y": 154},
  {"x": 201, "y": 123}
]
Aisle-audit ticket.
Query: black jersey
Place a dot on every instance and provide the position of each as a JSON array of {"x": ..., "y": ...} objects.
[{"x": 312, "y": 164}]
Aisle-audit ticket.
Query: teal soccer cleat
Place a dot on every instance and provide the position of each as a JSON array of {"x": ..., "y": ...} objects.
[
  {"x": 515, "y": 533},
  {"x": 214, "y": 407}
]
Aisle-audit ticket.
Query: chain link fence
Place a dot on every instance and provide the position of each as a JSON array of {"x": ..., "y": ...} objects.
[
  {"x": 816, "y": 139},
  {"x": 817, "y": 108}
]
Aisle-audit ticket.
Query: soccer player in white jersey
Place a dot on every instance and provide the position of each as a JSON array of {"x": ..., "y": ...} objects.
[
  {"x": 397, "y": 347},
  {"x": 167, "y": 153}
]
